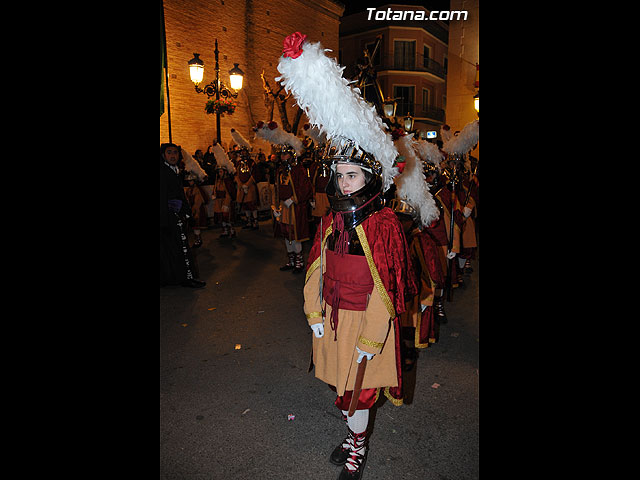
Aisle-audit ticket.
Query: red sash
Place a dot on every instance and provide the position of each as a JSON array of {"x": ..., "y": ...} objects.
[{"x": 347, "y": 284}]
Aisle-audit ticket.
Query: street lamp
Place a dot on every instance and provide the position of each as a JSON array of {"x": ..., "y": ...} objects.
[
  {"x": 235, "y": 77},
  {"x": 389, "y": 107},
  {"x": 408, "y": 123},
  {"x": 216, "y": 88}
]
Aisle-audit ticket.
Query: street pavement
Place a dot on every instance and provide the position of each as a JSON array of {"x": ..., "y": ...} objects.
[{"x": 237, "y": 402}]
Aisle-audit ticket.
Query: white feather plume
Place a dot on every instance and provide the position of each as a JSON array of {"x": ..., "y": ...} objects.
[
  {"x": 445, "y": 133},
  {"x": 239, "y": 139},
  {"x": 338, "y": 110},
  {"x": 411, "y": 185},
  {"x": 222, "y": 159},
  {"x": 190, "y": 165},
  {"x": 428, "y": 152},
  {"x": 278, "y": 136},
  {"x": 315, "y": 134},
  {"x": 465, "y": 140}
]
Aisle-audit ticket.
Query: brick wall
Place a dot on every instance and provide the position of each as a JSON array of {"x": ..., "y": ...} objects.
[
  {"x": 464, "y": 51},
  {"x": 249, "y": 33}
]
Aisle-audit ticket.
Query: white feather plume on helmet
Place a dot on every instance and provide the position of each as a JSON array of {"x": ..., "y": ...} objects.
[
  {"x": 428, "y": 152},
  {"x": 314, "y": 133},
  {"x": 338, "y": 110},
  {"x": 411, "y": 186},
  {"x": 190, "y": 165},
  {"x": 272, "y": 133},
  {"x": 239, "y": 139},
  {"x": 464, "y": 141},
  {"x": 222, "y": 159}
]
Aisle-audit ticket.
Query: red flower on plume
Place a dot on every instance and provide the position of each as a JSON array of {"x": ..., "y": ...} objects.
[
  {"x": 292, "y": 45},
  {"x": 258, "y": 126},
  {"x": 397, "y": 133},
  {"x": 272, "y": 125}
]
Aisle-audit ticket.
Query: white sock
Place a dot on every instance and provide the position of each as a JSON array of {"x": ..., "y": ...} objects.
[
  {"x": 462, "y": 261},
  {"x": 359, "y": 421},
  {"x": 297, "y": 246},
  {"x": 289, "y": 245}
]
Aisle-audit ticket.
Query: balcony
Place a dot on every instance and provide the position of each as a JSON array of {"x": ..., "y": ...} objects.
[
  {"x": 411, "y": 64},
  {"x": 419, "y": 111}
]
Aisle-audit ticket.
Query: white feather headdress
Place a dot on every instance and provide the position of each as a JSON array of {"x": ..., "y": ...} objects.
[
  {"x": 338, "y": 110},
  {"x": 239, "y": 139},
  {"x": 465, "y": 140},
  {"x": 190, "y": 165},
  {"x": 411, "y": 185},
  {"x": 314, "y": 133},
  {"x": 428, "y": 152},
  {"x": 272, "y": 133},
  {"x": 222, "y": 159},
  {"x": 445, "y": 133}
]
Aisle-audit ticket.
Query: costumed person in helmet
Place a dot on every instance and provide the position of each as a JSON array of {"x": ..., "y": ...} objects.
[
  {"x": 432, "y": 157},
  {"x": 224, "y": 191},
  {"x": 319, "y": 173},
  {"x": 177, "y": 264},
  {"x": 456, "y": 148},
  {"x": 198, "y": 200},
  {"x": 460, "y": 146},
  {"x": 415, "y": 207},
  {"x": 247, "y": 185},
  {"x": 197, "y": 197},
  {"x": 293, "y": 191},
  {"x": 357, "y": 265}
]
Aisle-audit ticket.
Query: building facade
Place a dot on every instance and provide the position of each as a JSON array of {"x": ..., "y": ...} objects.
[
  {"x": 464, "y": 55},
  {"x": 249, "y": 33},
  {"x": 411, "y": 62}
]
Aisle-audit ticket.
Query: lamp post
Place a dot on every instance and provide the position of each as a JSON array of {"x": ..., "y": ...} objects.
[
  {"x": 476, "y": 102},
  {"x": 408, "y": 123},
  {"x": 216, "y": 88}
]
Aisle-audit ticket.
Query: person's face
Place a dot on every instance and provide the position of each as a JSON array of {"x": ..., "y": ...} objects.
[
  {"x": 350, "y": 178},
  {"x": 171, "y": 155}
]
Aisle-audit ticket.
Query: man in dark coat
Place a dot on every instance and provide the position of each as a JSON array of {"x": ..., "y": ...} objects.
[{"x": 176, "y": 260}]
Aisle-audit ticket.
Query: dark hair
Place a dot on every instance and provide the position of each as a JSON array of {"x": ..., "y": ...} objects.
[
  {"x": 368, "y": 177},
  {"x": 164, "y": 146}
]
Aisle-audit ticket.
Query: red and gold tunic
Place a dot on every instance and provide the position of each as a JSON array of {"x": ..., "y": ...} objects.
[
  {"x": 371, "y": 294},
  {"x": 431, "y": 275},
  {"x": 293, "y": 223},
  {"x": 248, "y": 200}
]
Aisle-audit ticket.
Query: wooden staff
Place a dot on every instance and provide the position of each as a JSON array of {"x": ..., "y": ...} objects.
[{"x": 357, "y": 388}]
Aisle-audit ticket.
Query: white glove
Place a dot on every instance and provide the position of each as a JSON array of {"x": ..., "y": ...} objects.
[
  {"x": 313, "y": 204},
  {"x": 467, "y": 211},
  {"x": 364, "y": 354},
  {"x": 245, "y": 188},
  {"x": 276, "y": 212},
  {"x": 318, "y": 329},
  {"x": 288, "y": 202},
  {"x": 450, "y": 255}
]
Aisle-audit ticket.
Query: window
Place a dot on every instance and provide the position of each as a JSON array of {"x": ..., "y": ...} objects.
[
  {"x": 426, "y": 56},
  {"x": 404, "y": 96},
  {"x": 404, "y": 54},
  {"x": 425, "y": 99}
]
